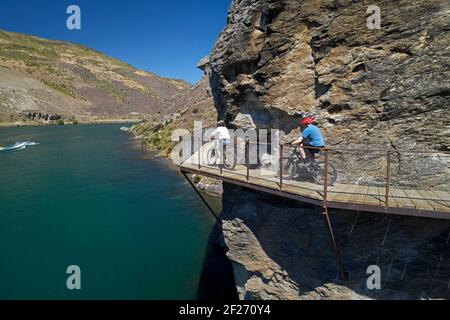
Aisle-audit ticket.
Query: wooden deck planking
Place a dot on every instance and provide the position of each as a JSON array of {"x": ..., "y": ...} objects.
[
  {"x": 436, "y": 202},
  {"x": 402, "y": 198},
  {"x": 360, "y": 194},
  {"x": 415, "y": 199},
  {"x": 338, "y": 187},
  {"x": 445, "y": 196},
  {"x": 344, "y": 194},
  {"x": 373, "y": 196},
  {"x": 303, "y": 185},
  {"x": 353, "y": 194},
  {"x": 392, "y": 201},
  {"x": 302, "y": 191}
]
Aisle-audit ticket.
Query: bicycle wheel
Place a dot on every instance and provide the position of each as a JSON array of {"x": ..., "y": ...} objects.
[
  {"x": 229, "y": 161},
  {"x": 288, "y": 169},
  {"x": 211, "y": 157},
  {"x": 319, "y": 173}
]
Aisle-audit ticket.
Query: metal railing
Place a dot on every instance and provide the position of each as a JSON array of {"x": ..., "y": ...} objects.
[
  {"x": 408, "y": 178},
  {"x": 370, "y": 178}
]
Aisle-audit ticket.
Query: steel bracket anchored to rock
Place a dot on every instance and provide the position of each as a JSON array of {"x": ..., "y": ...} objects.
[
  {"x": 340, "y": 262},
  {"x": 201, "y": 196}
]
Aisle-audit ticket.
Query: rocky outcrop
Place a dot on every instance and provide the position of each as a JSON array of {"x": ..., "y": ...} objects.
[
  {"x": 279, "y": 60},
  {"x": 208, "y": 185},
  {"x": 281, "y": 249}
]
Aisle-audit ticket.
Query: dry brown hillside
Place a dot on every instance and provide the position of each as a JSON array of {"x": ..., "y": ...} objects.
[
  {"x": 55, "y": 77},
  {"x": 196, "y": 105}
]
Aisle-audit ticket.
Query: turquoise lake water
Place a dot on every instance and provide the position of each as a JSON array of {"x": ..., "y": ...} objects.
[{"x": 88, "y": 196}]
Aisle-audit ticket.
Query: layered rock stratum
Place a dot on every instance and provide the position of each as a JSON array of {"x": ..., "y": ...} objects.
[{"x": 281, "y": 59}]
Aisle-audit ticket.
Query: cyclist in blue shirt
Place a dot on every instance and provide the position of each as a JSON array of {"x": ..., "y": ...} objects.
[{"x": 311, "y": 137}]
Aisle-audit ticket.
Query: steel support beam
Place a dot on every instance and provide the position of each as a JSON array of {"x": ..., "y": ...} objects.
[
  {"x": 201, "y": 196},
  {"x": 326, "y": 216},
  {"x": 340, "y": 262}
]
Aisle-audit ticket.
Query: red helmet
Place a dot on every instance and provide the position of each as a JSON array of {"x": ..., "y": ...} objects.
[{"x": 306, "y": 121}]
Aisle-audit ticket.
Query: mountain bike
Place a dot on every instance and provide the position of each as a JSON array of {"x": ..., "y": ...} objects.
[
  {"x": 309, "y": 169},
  {"x": 229, "y": 155}
]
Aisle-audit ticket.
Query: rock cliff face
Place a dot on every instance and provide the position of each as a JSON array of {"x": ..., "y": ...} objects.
[
  {"x": 282, "y": 58},
  {"x": 278, "y": 60},
  {"x": 280, "y": 249}
]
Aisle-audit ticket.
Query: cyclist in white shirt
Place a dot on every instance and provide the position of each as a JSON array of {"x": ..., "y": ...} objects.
[{"x": 222, "y": 135}]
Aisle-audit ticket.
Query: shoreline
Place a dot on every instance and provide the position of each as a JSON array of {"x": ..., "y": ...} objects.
[
  {"x": 209, "y": 187},
  {"x": 80, "y": 122}
]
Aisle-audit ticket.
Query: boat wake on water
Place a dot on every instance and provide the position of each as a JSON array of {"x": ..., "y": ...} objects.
[{"x": 18, "y": 146}]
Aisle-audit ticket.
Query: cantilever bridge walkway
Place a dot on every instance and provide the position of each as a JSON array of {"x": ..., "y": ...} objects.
[{"x": 410, "y": 183}]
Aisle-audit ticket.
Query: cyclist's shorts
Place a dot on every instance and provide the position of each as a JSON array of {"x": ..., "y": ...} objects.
[
  {"x": 225, "y": 142},
  {"x": 313, "y": 151}
]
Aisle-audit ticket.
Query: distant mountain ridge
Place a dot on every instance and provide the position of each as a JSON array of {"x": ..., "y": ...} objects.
[{"x": 56, "y": 77}]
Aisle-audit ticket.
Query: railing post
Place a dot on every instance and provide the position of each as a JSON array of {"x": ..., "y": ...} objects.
[
  {"x": 247, "y": 158},
  {"x": 200, "y": 155},
  {"x": 235, "y": 151},
  {"x": 221, "y": 158},
  {"x": 325, "y": 180},
  {"x": 281, "y": 166},
  {"x": 388, "y": 178}
]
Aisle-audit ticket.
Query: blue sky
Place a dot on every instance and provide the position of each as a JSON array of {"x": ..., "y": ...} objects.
[{"x": 167, "y": 37}]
